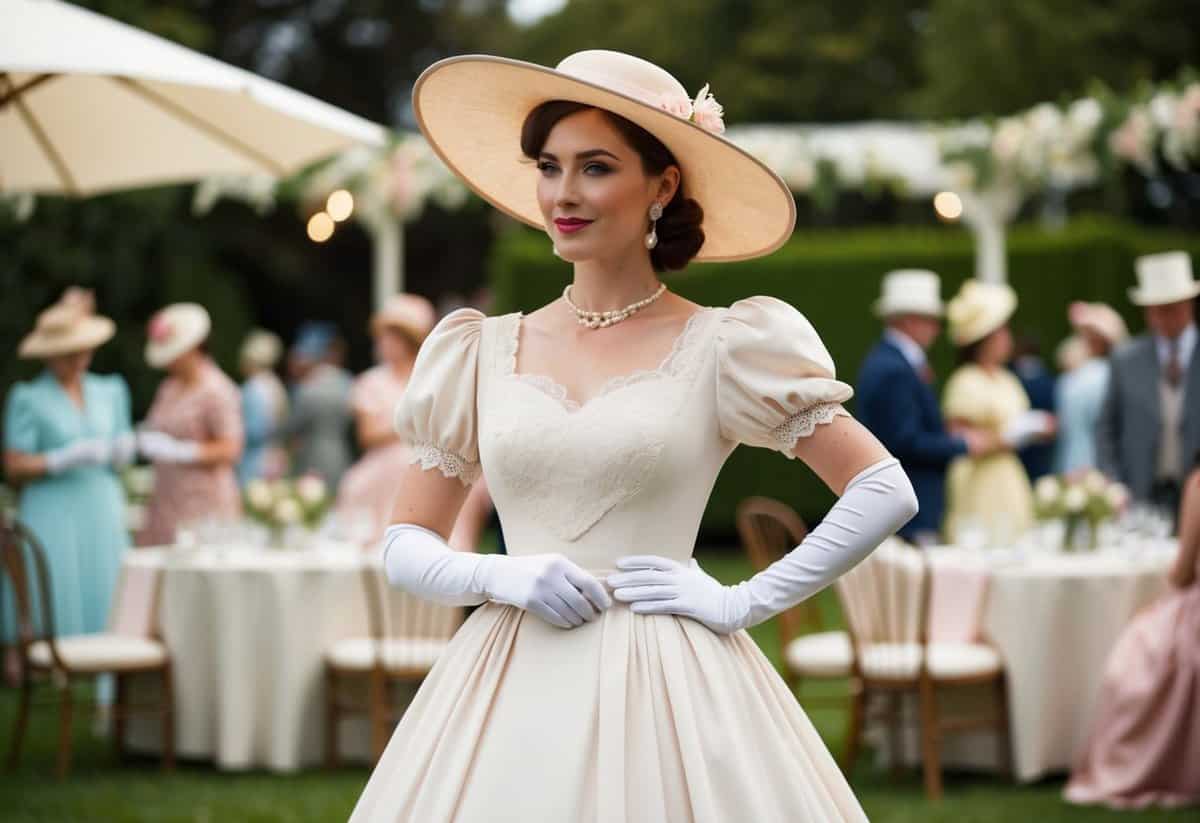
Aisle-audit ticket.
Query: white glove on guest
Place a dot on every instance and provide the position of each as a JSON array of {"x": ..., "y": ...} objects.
[
  {"x": 547, "y": 585},
  {"x": 1028, "y": 427},
  {"x": 90, "y": 452},
  {"x": 878, "y": 501},
  {"x": 124, "y": 449},
  {"x": 163, "y": 448}
]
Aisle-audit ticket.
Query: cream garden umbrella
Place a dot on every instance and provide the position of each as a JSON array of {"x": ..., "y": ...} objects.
[{"x": 89, "y": 105}]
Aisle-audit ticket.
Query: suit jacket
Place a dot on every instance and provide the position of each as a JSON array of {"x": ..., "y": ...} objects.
[
  {"x": 902, "y": 411},
  {"x": 1128, "y": 430},
  {"x": 320, "y": 423}
]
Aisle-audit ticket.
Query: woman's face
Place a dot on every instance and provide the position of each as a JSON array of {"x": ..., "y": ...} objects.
[
  {"x": 594, "y": 194},
  {"x": 393, "y": 347},
  {"x": 70, "y": 367},
  {"x": 185, "y": 364},
  {"x": 997, "y": 348}
]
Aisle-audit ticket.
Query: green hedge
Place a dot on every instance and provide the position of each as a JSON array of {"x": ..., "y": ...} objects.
[{"x": 834, "y": 276}]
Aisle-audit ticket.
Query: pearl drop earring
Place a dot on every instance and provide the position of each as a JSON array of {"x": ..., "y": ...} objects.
[{"x": 656, "y": 211}]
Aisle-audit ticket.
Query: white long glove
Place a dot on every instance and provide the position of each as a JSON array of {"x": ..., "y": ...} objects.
[
  {"x": 89, "y": 452},
  {"x": 124, "y": 449},
  {"x": 547, "y": 585},
  {"x": 878, "y": 501},
  {"x": 163, "y": 448}
]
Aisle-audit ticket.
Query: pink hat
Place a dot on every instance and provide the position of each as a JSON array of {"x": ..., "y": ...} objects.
[
  {"x": 1098, "y": 319},
  {"x": 409, "y": 313}
]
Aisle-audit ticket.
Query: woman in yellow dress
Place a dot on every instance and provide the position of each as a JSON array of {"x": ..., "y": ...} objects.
[{"x": 989, "y": 492}]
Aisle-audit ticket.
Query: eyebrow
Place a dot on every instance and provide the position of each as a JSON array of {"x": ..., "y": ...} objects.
[{"x": 585, "y": 155}]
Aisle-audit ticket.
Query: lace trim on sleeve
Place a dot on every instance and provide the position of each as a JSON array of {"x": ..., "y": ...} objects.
[
  {"x": 803, "y": 424},
  {"x": 433, "y": 456}
]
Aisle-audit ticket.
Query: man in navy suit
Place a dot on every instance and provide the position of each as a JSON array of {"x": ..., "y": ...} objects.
[{"x": 896, "y": 400}]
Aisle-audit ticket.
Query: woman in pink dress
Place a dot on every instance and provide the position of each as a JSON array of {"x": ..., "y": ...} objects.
[
  {"x": 193, "y": 433},
  {"x": 368, "y": 488},
  {"x": 1144, "y": 747}
]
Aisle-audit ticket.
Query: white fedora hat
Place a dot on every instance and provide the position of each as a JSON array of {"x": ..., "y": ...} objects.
[
  {"x": 174, "y": 331},
  {"x": 910, "y": 291},
  {"x": 978, "y": 310},
  {"x": 1164, "y": 278},
  {"x": 66, "y": 327},
  {"x": 472, "y": 108}
]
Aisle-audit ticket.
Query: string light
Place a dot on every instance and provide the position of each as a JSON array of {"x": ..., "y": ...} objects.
[
  {"x": 948, "y": 205},
  {"x": 320, "y": 227},
  {"x": 340, "y": 205}
]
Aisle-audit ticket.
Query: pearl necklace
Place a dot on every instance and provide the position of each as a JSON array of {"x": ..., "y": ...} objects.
[{"x": 604, "y": 319}]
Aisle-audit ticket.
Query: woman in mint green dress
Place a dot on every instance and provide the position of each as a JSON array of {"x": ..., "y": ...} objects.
[{"x": 65, "y": 434}]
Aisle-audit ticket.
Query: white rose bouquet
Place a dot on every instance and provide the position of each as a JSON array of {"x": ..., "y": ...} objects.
[
  {"x": 285, "y": 503},
  {"x": 1077, "y": 499}
]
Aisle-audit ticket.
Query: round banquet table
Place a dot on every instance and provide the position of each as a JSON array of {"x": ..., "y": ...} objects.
[
  {"x": 1054, "y": 618},
  {"x": 247, "y": 630}
]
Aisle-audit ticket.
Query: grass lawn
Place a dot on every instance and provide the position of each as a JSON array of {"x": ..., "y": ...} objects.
[{"x": 101, "y": 789}]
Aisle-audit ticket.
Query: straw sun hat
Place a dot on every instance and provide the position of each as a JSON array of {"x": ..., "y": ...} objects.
[
  {"x": 174, "y": 331},
  {"x": 410, "y": 314},
  {"x": 978, "y": 310},
  {"x": 70, "y": 325},
  {"x": 471, "y": 109}
]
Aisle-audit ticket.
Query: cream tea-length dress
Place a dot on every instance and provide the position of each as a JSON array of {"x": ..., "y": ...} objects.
[{"x": 630, "y": 717}]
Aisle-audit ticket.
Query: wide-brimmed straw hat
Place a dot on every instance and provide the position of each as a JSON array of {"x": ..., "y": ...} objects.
[
  {"x": 978, "y": 310},
  {"x": 1098, "y": 319},
  {"x": 910, "y": 291},
  {"x": 472, "y": 108},
  {"x": 410, "y": 314},
  {"x": 1164, "y": 278},
  {"x": 174, "y": 331},
  {"x": 69, "y": 326}
]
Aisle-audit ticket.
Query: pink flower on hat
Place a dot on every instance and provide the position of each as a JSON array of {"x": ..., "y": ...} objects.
[
  {"x": 676, "y": 104},
  {"x": 707, "y": 113},
  {"x": 160, "y": 328}
]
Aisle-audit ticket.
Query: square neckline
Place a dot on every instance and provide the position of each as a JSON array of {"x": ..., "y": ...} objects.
[{"x": 551, "y": 387}]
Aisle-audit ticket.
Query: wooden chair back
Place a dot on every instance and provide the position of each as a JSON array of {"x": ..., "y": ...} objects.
[
  {"x": 885, "y": 600},
  {"x": 24, "y": 564},
  {"x": 393, "y": 614},
  {"x": 769, "y": 529}
]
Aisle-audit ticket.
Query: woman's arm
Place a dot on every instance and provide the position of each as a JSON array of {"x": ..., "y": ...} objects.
[
  {"x": 1183, "y": 572},
  {"x": 840, "y": 450},
  {"x": 21, "y": 467}
]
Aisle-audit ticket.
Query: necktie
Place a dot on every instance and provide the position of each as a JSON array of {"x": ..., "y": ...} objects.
[{"x": 1174, "y": 370}]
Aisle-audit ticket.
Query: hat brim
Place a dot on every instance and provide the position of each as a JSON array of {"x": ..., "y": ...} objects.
[
  {"x": 161, "y": 355},
  {"x": 999, "y": 312},
  {"x": 471, "y": 110},
  {"x": 91, "y": 332},
  {"x": 1141, "y": 298},
  {"x": 884, "y": 309},
  {"x": 381, "y": 322}
]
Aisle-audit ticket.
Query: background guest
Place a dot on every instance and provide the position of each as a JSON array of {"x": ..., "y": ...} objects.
[
  {"x": 896, "y": 400},
  {"x": 369, "y": 487},
  {"x": 264, "y": 408},
  {"x": 1151, "y": 413},
  {"x": 318, "y": 424},
  {"x": 1146, "y": 730},
  {"x": 193, "y": 433},
  {"x": 1079, "y": 396},
  {"x": 1039, "y": 383},
  {"x": 992, "y": 490},
  {"x": 65, "y": 433}
]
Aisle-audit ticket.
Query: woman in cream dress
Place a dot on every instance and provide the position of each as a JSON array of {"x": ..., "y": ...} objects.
[
  {"x": 990, "y": 492},
  {"x": 605, "y": 676}
]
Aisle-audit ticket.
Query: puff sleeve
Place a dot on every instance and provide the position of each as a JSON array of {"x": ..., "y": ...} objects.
[
  {"x": 20, "y": 421},
  {"x": 436, "y": 416},
  {"x": 775, "y": 380}
]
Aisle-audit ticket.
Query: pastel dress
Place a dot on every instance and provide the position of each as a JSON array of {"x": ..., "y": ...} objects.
[
  {"x": 370, "y": 484},
  {"x": 78, "y": 515},
  {"x": 1144, "y": 745},
  {"x": 992, "y": 492},
  {"x": 264, "y": 409},
  {"x": 185, "y": 493},
  {"x": 1078, "y": 402},
  {"x": 629, "y": 717}
]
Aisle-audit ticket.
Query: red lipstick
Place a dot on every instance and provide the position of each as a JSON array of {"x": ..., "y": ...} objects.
[{"x": 570, "y": 225}]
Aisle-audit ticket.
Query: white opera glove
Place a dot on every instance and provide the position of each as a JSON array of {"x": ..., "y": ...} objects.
[
  {"x": 161, "y": 447},
  {"x": 1027, "y": 427},
  {"x": 89, "y": 452},
  {"x": 877, "y": 502},
  {"x": 124, "y": 449},
  {"x": 547, "y": 585}
]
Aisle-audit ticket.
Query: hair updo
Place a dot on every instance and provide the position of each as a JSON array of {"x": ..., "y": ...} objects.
[{"x": 679, "y": 233}]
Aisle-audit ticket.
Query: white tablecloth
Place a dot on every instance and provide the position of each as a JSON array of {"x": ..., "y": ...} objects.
[
  {"x": 247, "y": 630},
  {"x": 1054, "y": 619}
]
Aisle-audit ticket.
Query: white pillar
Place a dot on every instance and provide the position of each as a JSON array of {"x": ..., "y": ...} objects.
[
  {"x": 987, "y": 215},
  {"x": 387, "y": 238}
]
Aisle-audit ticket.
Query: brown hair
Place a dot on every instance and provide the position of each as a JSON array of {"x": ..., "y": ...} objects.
[{"x": 680, "y": 235}]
